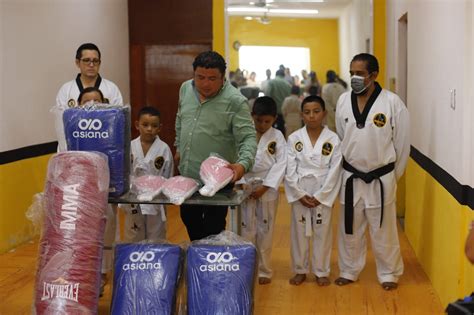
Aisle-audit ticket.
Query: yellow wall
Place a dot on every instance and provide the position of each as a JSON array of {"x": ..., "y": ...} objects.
[
  {"x": 320, "y": 35},
  {"x": 436, "y": 225},
  {"x": 218, "y": 29},
  {"x": 379, "y": 37},
  {"x": 19, "y": 181}
]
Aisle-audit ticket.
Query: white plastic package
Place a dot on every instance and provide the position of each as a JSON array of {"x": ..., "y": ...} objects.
[
  {"x": 215, "y": 175},
  {"x": 179, "y": 188},
  {"x": 147, "y": 187}
]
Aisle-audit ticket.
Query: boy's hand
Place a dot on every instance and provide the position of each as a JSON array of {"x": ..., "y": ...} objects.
[
  {"x": 177, "y": 157},
  {"x": 238, "y": 169},
  {"x": 309, "y": 201},
  {"x": 259, "y": 191}
]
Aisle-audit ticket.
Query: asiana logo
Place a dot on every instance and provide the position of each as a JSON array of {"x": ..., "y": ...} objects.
[
  {"x": 90, "y": 128},
  {"x": 222, "y": 261},
  {"x": 142, "y": 261}
]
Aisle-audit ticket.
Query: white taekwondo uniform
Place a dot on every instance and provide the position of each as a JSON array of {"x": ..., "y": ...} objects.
[
  {"x": 258, "y": 216},
  {"x": 375, "y": 139},
  {"x": 313, "y": 171},
  {"x": 68, "y": 95},
  {"x": 66, "y": 98},
  {"x": 148, "y": 221}
]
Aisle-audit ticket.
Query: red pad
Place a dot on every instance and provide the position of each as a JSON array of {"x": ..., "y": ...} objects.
[{"x": 70, "y": 253}]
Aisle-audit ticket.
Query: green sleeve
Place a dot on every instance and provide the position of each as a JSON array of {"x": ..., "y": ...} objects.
[{"x": 245, "y": 136}]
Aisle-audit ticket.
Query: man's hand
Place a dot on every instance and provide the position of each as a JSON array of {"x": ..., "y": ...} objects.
[{"x": 238, "y": 169}]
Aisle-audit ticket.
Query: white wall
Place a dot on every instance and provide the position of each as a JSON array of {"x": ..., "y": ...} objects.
[
  {"x": 355, "y": 26},
  {"x": 440, "y": 58},
  {"x": 38, "y": 42}
]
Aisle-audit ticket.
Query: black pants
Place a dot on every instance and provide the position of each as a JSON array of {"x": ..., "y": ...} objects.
[{"x": 202, "y": 221}]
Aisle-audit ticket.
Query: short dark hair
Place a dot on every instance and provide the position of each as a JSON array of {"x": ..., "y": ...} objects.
[
  {"x": 331, "y": 76},
  {"x": 295, "y": 90},
  {"x": 371, "y": 62},
  {"x": 280, "y": 73},
  {"x": 264, "y": 105},
  {"x": 315, "y": 99},
  {"x": 90, "y": 89},
  {"x": 86, "y": 46},
  {"x": 210, "y": 59},
  {"x": 148, "y": 110}
]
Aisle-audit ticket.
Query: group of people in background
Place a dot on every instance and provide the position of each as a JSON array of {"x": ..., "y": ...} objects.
[
  {"x": 356, "y": 152},
  {"x": 288, "y": 91}
]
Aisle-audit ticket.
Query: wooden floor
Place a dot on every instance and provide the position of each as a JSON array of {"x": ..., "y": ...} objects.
[{"x": 415, "y": 294}]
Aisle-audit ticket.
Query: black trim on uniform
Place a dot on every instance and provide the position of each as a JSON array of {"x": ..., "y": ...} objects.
[
  {"x": 28, "y": 152},
  {"x": 362, "y": 117},
  {"x": 464, "y": 194},
  {"x": 81, "y": 87}
]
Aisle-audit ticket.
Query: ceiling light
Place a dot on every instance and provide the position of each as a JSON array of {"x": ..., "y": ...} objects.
[
  {"x": 246, "y": 9},
  {"x": 248, "y": 18},
  {"x": 293, "y": 11}
]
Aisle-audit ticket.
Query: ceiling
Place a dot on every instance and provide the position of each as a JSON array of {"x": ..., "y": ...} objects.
[{"x": 327, "y": 8}]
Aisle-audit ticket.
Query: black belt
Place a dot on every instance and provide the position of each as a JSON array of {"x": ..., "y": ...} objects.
[{"x": 366, "y": 177}]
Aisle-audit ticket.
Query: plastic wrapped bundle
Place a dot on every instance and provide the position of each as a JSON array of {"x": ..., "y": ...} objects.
[
  {"x": 220, "y": 275},
  {"x": 147, "y": 187},
  {"x": 106, "y": 130},
  {"x": 215, "y": 175},
  {"x": 70, "y": 251},
  {"x": 179, "y": 188},
  {"x": 145, "y": 278}
]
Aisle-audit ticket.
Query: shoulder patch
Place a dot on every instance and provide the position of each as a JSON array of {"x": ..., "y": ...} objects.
[
  {"x": 380, "y": 120},
  {"x": 271, "y": 148},
  {"x": 299, "y": 146},
  {"x": 327, "y": 148},
  {"x": 71, "y": 102},
  {"x": 159, "y": 161}
]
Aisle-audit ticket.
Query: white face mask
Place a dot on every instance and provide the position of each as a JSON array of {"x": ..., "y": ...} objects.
[{"x": 357, "y": 84}]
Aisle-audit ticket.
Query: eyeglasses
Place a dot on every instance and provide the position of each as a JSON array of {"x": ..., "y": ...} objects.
[{"x": 88, "y": 61}]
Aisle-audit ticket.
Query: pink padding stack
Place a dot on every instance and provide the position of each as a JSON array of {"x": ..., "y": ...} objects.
[
  {"x": 179, "y": 188},
  {"x": 215, "y": 175},
  {"x": 70, "y": 253},
  {"x": 147, "y": 187}
]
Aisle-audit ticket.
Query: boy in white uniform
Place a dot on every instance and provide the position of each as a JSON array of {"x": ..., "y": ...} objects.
[
  {"x": 312, "y": 184},
  {"x": 259, "y": 211},
  {"x": 373, "y": 124},
  {"x": 150, "y": 156}
]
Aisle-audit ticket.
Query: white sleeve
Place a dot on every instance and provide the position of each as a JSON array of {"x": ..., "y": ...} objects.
[
  {"x": 328, "y": 193},
  {"x": 115, "y": 95},
  {"x": 277, "y": 171},
  {"x": 293, "y": 192},
  {"x": 401, "y": 136}
]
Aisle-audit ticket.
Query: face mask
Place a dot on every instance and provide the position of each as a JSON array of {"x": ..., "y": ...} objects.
[{"x": 357, "y": 84}]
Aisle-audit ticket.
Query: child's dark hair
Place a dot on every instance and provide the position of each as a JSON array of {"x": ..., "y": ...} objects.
[
  {"x": 315, "y": 99},
  {"x": 264, "y": 105},
  {"x": 90, "y": 89},
  {"x": 148, "y": 110}
]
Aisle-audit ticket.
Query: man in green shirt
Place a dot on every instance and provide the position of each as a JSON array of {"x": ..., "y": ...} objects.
[
  {"x": 279, "y": 89},
  {"x": 213, "y": 117}
]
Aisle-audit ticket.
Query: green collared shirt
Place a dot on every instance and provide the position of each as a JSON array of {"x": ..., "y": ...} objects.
[{"x": 221, "y": 124}]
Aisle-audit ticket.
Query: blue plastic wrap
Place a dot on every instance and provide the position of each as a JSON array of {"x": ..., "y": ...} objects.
[
  {"x": 220, "y": 278},
  {"x": 105, "y": 130},
  {"x": 145, "y": 278}
]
